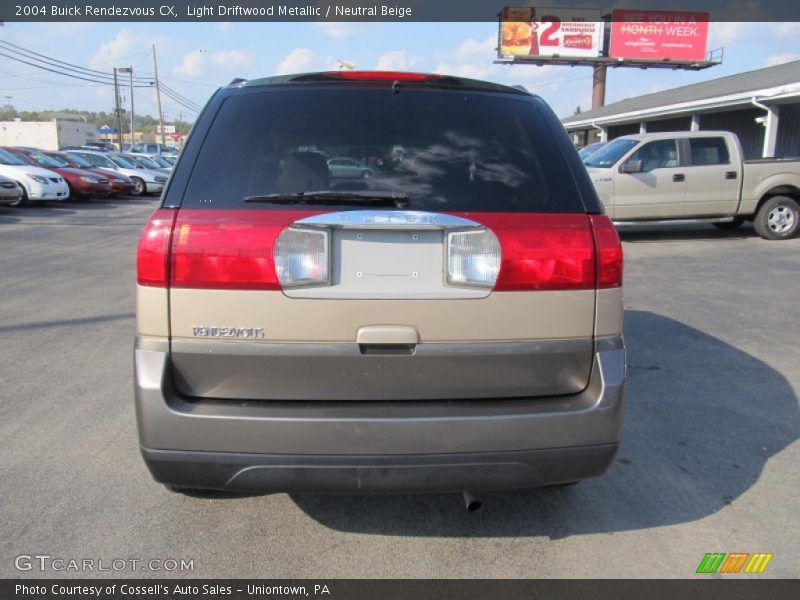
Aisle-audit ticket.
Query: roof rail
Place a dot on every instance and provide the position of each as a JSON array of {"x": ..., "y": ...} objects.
[{"x": 237, "y": 80}]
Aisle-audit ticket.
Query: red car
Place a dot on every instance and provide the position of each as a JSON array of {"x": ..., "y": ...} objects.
[
  {"x": 82, "y": 183},
  {"x": 121, "y": 185}
]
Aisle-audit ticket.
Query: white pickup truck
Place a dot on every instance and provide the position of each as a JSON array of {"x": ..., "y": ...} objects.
[{"x": 678, "y": 176}]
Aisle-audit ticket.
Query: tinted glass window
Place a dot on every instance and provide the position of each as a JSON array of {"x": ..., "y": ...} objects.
[
  {"x": 709, "y": 151},
  {"x": 9, "y": 158},
  {"x": 98, "y": 161},
  {"x": 74, "y": 160},
  {"x": 49, "y": 162},
  {"x": 660, "y": 154},
  {"x": 123, "y": 162},
  {"x": 607, "y": 156},
  {"x": 444, "y": 150}
]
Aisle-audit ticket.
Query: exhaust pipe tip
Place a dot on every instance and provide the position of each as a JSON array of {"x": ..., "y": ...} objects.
[{"x": 472, "y": 502}]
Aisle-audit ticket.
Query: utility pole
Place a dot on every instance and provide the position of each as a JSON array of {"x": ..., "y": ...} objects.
[
  {"x": 158, "y": 98},
  {"x": 128, "y": 70},
  {"x": 133, "y": 141},
  {"x": 119, "y": 115}
]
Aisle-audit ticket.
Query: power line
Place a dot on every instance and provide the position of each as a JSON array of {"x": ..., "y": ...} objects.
[
  {"x": 178, "y": 97},
  {"x": 93, "y": 76},
  {"x": 190, "y": 107},
  {"x": 57, "y": 72},
  {"x": 54, "y": 62}
]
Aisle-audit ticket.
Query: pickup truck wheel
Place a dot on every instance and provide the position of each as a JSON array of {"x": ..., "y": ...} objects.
[
  {"x": 778, "y": 218},
  {"x": 737, "y": 222}
]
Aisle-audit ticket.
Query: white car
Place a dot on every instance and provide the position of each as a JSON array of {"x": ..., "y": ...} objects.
[
  {"x": 147, "y": 181},
  {"x": 37, "y": 184}
]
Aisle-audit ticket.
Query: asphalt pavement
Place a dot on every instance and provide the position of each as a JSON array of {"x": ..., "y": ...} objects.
[{"x": 708, "y": 463}]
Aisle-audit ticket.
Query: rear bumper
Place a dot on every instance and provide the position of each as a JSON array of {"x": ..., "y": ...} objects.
[
  {"x": 377, "y": 446},
  {"x": 379, "y": 473}
]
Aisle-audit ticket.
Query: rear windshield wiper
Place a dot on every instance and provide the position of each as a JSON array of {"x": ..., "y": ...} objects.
[{"x": 357, "y": 198}]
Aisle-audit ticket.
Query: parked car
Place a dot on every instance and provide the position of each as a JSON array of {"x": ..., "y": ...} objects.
[
  {"x": 152, "y": 149},
  {"x": 37, "y": 184},
  {"x": 658, "y": 177},
  {"x": 349, "y": 167},
  {"x": 120, "y": 184},
  {"x": 148, "y": 162},
  {"x": 102, "y": 146},
  {"x": 10, "y": 191},
  {"x": 145, "y": 181},
  {"x": 452, "y": 326},
  {"x": 82, "y": 183},
  {"x": 586, "y": 151}
]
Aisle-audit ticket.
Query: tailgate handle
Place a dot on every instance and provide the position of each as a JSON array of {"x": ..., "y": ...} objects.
[{"x": 387, "y": 339}]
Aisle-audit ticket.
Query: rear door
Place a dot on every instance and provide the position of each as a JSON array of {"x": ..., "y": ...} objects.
[
  {"x": 463, "y": 268},
  {"x": 713, "y": 180},
  {"x": 659, "y": 191}
]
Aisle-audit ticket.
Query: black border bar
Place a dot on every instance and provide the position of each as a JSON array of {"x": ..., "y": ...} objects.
[
  {"x": 359, "y": 10},
  {"x": 733, "y": 588}
]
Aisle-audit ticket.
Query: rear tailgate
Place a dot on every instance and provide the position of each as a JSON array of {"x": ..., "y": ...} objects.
[{"x": 391, "y": 304}]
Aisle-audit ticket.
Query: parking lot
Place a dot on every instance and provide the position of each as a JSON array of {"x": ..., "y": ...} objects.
[{"x": 709, "y": 459}]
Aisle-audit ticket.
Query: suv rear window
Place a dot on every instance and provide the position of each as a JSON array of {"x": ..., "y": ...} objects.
[{"x": 447, "y": 151}]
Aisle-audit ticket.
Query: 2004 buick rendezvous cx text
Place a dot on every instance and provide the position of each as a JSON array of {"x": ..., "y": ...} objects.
[{"x": 446, "y": 318}]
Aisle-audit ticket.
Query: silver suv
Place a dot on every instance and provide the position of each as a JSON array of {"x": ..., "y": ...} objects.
[{"x": 452, "y": 322}]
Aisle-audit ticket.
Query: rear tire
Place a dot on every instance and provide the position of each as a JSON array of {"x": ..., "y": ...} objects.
[
  {"x": 736, "y": 223},
  {"x": 140, "y": 188},
  {"x": 777, "y": 218}
]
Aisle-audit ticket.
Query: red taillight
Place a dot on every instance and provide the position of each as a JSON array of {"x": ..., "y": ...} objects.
[
  {"x": 385, "y": 76},
  {"x": 542, "y": 251},
  {"x": 153, "y": 250},
  {"x": 609, "y": 252},
  {"x": 228, "y": 249}
]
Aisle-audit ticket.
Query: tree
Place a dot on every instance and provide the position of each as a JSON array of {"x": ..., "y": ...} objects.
[{"x": 577, "y": 110}]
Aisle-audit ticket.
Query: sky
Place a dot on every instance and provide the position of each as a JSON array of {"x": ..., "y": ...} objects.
[{"x": 197, "y": 57}]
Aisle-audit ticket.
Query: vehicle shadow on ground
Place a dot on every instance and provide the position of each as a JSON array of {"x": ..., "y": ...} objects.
[
  {"x": 689, "y": 233},
  {"x": 702, "y": 419},
  {"x": 8, "y": 216}
]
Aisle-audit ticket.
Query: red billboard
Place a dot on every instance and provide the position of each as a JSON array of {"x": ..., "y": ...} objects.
[{"x": 659, "y": 35}]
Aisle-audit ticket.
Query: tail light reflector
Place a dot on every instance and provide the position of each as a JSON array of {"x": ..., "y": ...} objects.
[
  {"x": 229, "y": 249},
  {"x": 153, "y": 251},
  {"x": 543, "y": 251},
  {"x": 609, "y": 252}
]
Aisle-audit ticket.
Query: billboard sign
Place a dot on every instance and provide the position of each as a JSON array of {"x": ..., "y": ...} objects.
[
  {"x": 550, "y": 32},
  {"x": 659, "y": 35}
]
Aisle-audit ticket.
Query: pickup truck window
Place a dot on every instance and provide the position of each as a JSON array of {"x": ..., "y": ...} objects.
[
  {"x": 607, "y": 156},
  {"x": 709, "y": 151},
  {"x": 658, "y": 154}
]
